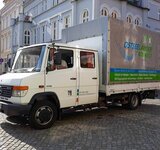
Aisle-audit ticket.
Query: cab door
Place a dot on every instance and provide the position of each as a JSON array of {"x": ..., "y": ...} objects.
[
  {"x": 62, "y": 79},
  {"x": 88, "y": 77}
]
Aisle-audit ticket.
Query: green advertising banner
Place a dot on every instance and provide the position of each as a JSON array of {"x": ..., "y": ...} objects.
[{"x": 133, "y": 75}]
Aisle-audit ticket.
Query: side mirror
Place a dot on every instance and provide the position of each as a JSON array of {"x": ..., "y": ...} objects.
[
  {"x": 47, "y": 69},
  {"x": 57, "y": 58},
  {"x": 10, "y": 59}
]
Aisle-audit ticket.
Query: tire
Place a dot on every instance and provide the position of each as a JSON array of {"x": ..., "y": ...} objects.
[
  {"x": 43, "y": 115},
  {"x": 133, "y": 101}
]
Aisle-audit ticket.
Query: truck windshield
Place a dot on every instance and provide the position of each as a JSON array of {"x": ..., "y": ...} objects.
[{"x": 29, "y": 59}]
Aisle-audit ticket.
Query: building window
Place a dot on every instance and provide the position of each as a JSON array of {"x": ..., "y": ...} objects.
[
  {"x": 42, "y": 6},
  {"x": 35, "y": 11},
  {"x": 35, "y": 36},
  {"x": 2, "y": 24},
  {"x": 66, "y": 21},
  {"x": 85, "y": 16},
  {"x": 114, "y": 14},
  {"x": 45, "y": 4},
  {"x": 43, "y": 33},
  {"x": 159, "y": 14},
  {"x": 129, "y": 19},
  {"x": 59, "y": 1},
  {"x": 54, "y": 30},
  {"x": 6, "y": 42},
  {"x": 27, "y": 37},
  {"x": 104, "y": 12},
  {"x": 15, "y": 38},
  {"x": 9, "y": 41},
  {"x": 3, "y": 44},
  {"x": 7, "y": 21},
  {"x": 137, "y": 22},
  {"x": 56, "y": 2}
]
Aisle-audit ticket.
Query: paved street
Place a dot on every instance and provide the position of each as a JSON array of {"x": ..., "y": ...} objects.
[{"x": 113, "y": 128}]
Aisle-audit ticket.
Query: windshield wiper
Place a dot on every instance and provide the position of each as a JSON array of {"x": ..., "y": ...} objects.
[
  {"x": 26, "y": 70},
  {"x": 22, "y": 70},
  {"x": 35, "y": 69}
]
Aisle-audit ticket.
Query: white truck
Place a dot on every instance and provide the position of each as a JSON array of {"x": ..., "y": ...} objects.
[{"x": 99, "y": 61}]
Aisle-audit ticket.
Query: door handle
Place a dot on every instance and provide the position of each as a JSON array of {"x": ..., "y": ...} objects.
[
  {"x": 73, "y": 78},
  {"x": 95, "y": 78}
]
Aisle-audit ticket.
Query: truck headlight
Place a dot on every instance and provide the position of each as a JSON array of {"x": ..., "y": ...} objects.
[{"x": 19, "y": 91}]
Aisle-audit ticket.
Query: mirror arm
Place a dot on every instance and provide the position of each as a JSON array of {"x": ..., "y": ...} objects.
[{"x": 47, "y": 70}]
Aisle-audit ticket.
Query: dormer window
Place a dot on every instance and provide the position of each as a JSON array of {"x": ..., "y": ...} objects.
[
  {"x": 104, "y": 12},
  {"x": 114, "y": 15},
  {"x": 85, "y": 16}
]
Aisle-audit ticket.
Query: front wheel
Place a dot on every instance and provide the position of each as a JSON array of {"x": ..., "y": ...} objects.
[
  {"x": 133, "y": 101},
  {"x": 43, "y": 115}
]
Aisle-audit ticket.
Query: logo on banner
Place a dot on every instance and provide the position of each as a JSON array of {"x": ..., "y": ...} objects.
[{"x": 143, "y": 50}]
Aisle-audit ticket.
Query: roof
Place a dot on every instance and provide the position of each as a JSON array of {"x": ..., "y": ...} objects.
[{"x": 65, "y": 45}]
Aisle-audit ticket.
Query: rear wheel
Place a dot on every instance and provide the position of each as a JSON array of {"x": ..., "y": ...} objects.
[
  {"x": 133, "y": 101},
  {"x": 43, "y": 115}
]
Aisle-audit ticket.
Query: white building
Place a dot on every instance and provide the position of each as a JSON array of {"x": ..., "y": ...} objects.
[
  {"x": 49, "y": 17},
  {"x": 8, "y": 12}
]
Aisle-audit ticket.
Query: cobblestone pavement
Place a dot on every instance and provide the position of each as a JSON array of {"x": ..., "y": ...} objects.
[{"x": 113, "y": 128}]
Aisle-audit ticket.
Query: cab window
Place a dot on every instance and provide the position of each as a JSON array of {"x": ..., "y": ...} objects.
[
  {"x": 87, "y": 59},
  {"x": 66, "y": 59}
]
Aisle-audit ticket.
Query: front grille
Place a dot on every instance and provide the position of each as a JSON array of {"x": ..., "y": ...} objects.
[{"x": 5, "y": 91}]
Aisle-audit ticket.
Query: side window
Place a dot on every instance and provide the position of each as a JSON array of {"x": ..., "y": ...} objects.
[
  {"x": 50, "y": 63},
  {"x": 66, "y": 60},
  {"x": 87, "y": 59}
]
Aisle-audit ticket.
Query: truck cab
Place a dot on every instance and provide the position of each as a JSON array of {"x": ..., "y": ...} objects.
[{"x": 45, "y": 78}]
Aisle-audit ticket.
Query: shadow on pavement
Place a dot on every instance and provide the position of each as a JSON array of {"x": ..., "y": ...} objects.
[{"x": 96, "y": 129}]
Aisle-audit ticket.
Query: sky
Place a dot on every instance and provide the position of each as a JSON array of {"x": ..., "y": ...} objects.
[{"x": 1, "y": 4}]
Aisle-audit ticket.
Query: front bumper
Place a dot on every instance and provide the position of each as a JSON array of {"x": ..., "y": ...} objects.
[{"x": 14, "y": 109}]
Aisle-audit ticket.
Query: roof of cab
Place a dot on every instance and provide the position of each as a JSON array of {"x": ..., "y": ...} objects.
[{"x": 65, "y": 45}]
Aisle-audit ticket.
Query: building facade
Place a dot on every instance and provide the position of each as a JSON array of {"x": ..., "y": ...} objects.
[
  {"x": 9, "y": 13},
  {"x": 153, "y": 18},
  {"x": 50, "y": 17},
  {"x": 42, "y": 21}
]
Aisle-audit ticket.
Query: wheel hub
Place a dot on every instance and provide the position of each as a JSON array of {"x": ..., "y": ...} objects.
[{"x": 44, "y": 115}]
